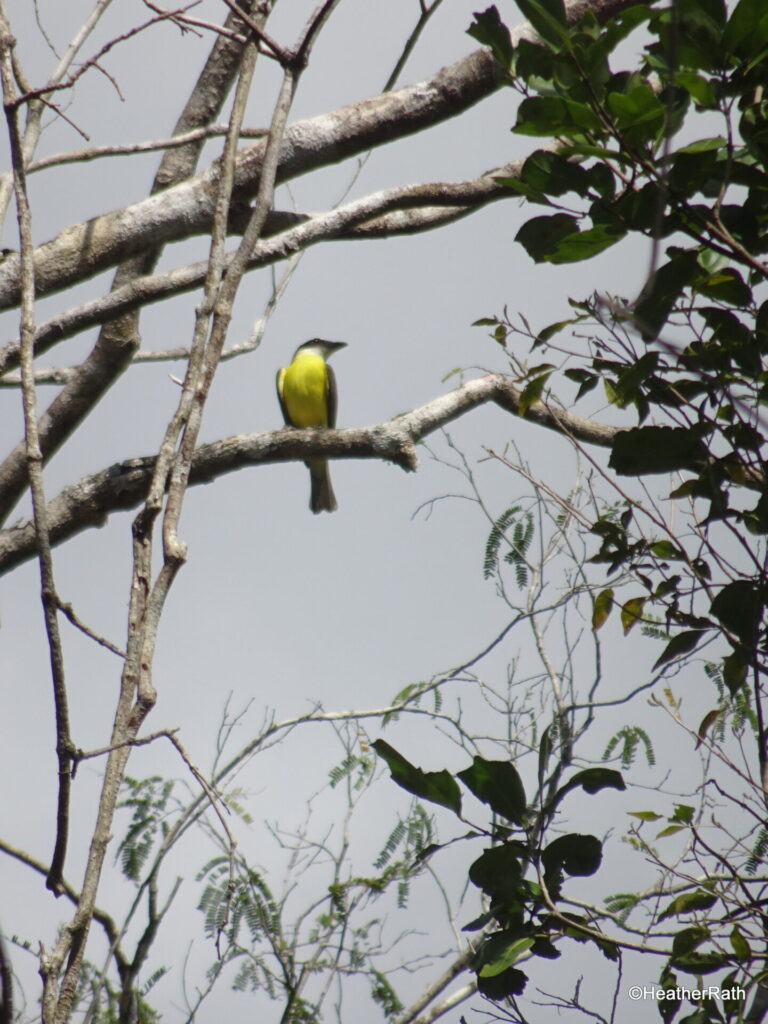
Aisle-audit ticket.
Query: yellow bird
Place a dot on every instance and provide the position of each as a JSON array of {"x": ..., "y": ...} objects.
[{"x": 306, "y": 391}]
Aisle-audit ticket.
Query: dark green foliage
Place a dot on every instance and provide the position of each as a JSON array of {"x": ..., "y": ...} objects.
[
  {"x": 519, "y": 919},
  {"x": 437, "y": 787},
  {"x": 644, "y": 450},
  {"x": 687, "y": 359},
  {"x": 497, "y": 784}
]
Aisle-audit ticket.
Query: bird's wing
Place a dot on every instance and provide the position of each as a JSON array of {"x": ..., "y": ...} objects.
[
  {"x": 330, "y": 395},
  {"x": 279, "y": 387}
]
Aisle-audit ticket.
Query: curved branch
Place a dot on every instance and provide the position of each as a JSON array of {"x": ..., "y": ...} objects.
[
  {"x": 119, "y": 339},
  {"x": 83, "y": 250},
  {"x": 107, "y": 922},
  {"x": 398, "y": 211},
  {"x": 123, "y": 486}
]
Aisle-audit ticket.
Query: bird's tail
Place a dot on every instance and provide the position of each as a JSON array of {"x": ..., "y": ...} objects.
[{"x": 322, "y": 498}]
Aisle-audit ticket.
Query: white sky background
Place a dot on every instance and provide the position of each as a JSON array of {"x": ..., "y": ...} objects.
[{"x": 277, "y": 606}]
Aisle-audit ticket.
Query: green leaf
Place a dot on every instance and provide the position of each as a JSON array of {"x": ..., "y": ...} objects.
[
  {"x": 739, "y": 607},
  {"x": 547, "y": 17},
  {"x": 509, "y": 983},
  {"x": 684, "y": 813},
  {"x": 642, "y": 450},
  {"x": 739, "y": 944},
  {"x": 500, "y": 951},
  {"x": 601, "y": 608},
  {"x": 706, "y": 724},
  {"x": 662, "y": 291},
  {"x": 532, "y": 392},
  {"x": 680, "y": 644},
  {"x": 549, "y": 332},
  {"x": 670, "y": 830},
  {"x": 498, "y": 871},
  {"x": 592, "y": 780},
  {"x": 557, "y": 239},
  {"x": 523, "y": 189},
  {"x": 639, "y": 114},
  {"x": 727, "y": 286},
  {"x": 666, "y": 550},
  {"x": 631, "y": 613},
  {"x": 735, "y": 671},
  {"x": 545, "y": 752},
  {"x": 489, "y": 30},
  {"x": 576, "y": 854},
  {"x": 746, "y": 33},
  {"x": 552, "y": 116},
  {"x": 645, "y": 815},
  {"x": 704, "y": 145},
  {"x": 669, "y": 1006},
  {"x": 540, "y": 235},
  {"x": 627, "y": 386},
  {"x": 583, "y": 245},
  {"x": 553, "y": 174},
  {"x": 700, "y": 963},
  {"x": 497, "y": 784},
  {"x": 689, "y": 903},
  {"x": 586, "y": 381},
  {"x": 698, "y": 88},
  {"x": 688, "y": 939},
  {"x": 437, "y": 787}
]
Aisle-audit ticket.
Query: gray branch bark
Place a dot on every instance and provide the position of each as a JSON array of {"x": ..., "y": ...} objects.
[{"x": 123, "y": 486}]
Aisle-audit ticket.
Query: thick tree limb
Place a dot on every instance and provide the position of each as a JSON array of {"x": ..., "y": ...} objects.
[
  {"x": 398, "y": 211},
  {"x": 119, "y": 338},
  {"x": 399, "y": 215},
  {"x": 82, "y": 250},
  {"x": 91, "y": 500}
]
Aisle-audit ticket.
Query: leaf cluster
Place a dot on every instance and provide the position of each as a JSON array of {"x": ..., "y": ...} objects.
[
  {"x": 521, "y": 874},
  {"x": 672, "y": 151},
  {"x": 614, "y": 169}
]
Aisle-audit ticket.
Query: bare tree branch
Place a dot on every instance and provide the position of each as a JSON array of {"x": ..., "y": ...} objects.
[
  {"x": 114, "y": 349},
  {"x": 92, "y": 499},
  {"x": 82, "y": 250},
  {"x": 107, "y": 922},
  {"x": 36, "y": 109},
  {"x": 399, "y": 211},
  {"x": 33, "y": 459},
  {"x": 84, "y": 156},
  {"x": 119, "y": 339}
]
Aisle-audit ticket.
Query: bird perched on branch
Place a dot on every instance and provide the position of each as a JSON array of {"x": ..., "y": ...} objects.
[{"x": 307, "y": 393}]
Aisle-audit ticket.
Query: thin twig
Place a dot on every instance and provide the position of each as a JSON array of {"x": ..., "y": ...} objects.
[
  {"x": 78, "y": 623},
  {"x": 79, "y": 156},
  {"x": 64, "y": 745}
]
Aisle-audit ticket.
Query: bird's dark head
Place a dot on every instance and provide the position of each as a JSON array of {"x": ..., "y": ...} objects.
[{"x": 320, "y": 347}]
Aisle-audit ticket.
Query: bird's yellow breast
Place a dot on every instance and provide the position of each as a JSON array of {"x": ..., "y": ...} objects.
[{"x": 304, "y": 389}]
